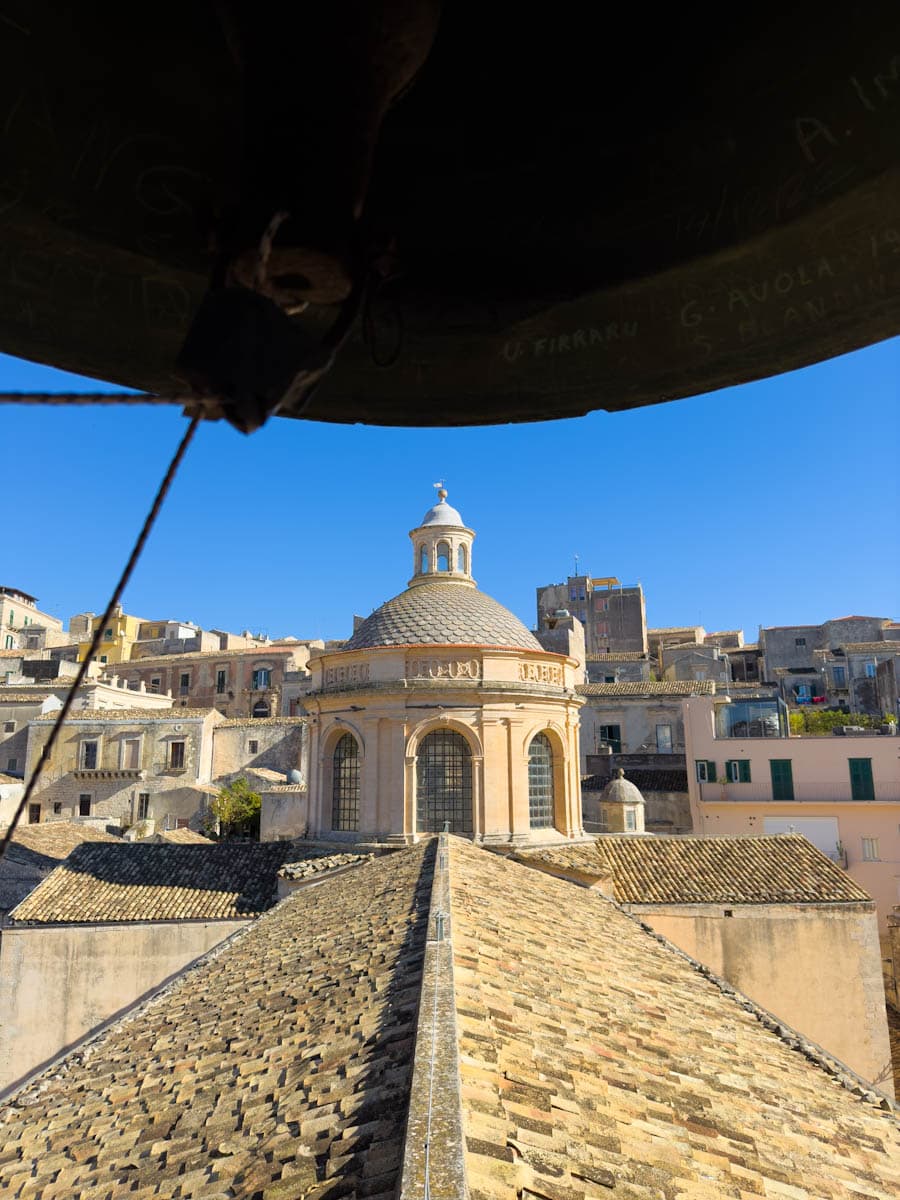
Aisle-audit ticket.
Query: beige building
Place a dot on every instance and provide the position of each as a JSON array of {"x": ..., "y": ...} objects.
[
  {"x": 442, "y": 708},
  {"x": 245, "y": 682}
]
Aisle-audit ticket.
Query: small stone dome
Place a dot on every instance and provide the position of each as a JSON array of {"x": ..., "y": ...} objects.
[
  {"x": 443, "y": 513},
  {"x": 442, "y": 614},
  {"x": 620, "y": 791}
]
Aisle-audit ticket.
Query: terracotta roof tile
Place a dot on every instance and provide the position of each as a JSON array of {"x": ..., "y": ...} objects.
[
  {"x": 278, "y": 1067},
  {"x": 625, "y": 656},
  {"x": 890, "y": 648},
  {"x": 135, "y": 881},
  {"x": 783, "y": 869},
  {"x": 595, "y": 1060},
  {"x": 665, "y": 687},
  {"x": 57, "y": 839}
]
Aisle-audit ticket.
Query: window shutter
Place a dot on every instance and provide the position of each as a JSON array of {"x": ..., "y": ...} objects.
[
  {"x": 711, "y": 774},
  {"x": 744, "y": 767}
]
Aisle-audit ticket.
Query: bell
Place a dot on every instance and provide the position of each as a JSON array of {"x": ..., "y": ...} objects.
[{"x": 401, "y": 212}]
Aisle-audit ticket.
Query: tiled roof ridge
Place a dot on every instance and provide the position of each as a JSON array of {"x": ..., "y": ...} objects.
[
  {"x": 131, "y": 714},
  {"x": 435, "y": 1094},
  {"x": 156, "y": 659},
  {"x": 845, "y": 1076},
  {"x": 650, "y": 687}
]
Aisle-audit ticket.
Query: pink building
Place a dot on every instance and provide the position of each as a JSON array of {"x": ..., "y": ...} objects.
[{"x": 747, "y": 775}]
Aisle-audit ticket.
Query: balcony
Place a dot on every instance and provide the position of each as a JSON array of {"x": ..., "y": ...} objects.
[
  {"x": 109, "y": 773},
  {"x": 825, "y": 791}
]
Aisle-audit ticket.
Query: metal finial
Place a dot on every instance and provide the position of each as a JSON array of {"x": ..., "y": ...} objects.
[{"x": 442, "y": 491}]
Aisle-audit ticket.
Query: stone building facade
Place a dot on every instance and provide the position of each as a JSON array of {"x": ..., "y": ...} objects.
[
  {"x": 614, "y": 615},
  {"x": 238, "y": 683},
  {"x": 443, "y": 707}
]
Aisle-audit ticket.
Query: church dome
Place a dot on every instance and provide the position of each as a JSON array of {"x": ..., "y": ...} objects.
[{"x": 442, "y": 614}]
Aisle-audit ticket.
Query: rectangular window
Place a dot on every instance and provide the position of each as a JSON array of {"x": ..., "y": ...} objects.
[
  {"x": 9, "y": 727},
  {"x": 12, "y": 764},
  {"x": 103, "y": 658},
  {"x": 870, "y": 670},
  {"x": 630, "y": 820},
  {"x": 862, "y": 786},
  {"x": 253, "y": 747},
  {"x": 220, "y": 682},
  {"x": 611, "y": 735},
  {"x": 57, "y": 807},
  {"x": 782, "y": 778},
  {"x": 155, "y": 683},
  {"x": 737, "y": 770},
  {"x": 664, "y": 739},
  {"x": 34, "y": 814},
  {"x": 706, "y": 771},
  {"x": 184, "y": 684},
  {"x": 799, "y": 641},
  {"x": 840, "y": 676},
  {"x": 108, "y": 635},
  {"x": 176, "y": 754},
  {"x": 143, "y": 806},
  {"x": 89, "y": 756},
  {"x": 84, "y": 805},
  {"x": 870, "y": 849},
  {"x": 131, "y": 753},
  {"x": 260, "y": 679}
]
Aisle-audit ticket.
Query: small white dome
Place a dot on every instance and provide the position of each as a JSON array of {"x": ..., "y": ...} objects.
[{"x": 442, "y": 513}]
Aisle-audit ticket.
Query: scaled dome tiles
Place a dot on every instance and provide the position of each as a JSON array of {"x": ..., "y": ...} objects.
[{"x": 436, "y": 614}]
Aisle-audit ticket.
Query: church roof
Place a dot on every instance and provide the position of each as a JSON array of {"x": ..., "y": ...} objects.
[
  {"x": 445, "y": 614},
  {"x": 296, "y": 1062},
  {"x": 784, "y": 868}
]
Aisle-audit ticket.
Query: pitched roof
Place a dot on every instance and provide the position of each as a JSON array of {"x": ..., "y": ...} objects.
[
  {"x": 626, "y": 1072},
  {"x": 783, "y": 869},
  {"x": 172, "y": 660},
  {"x": 671, "y": 629},
  {"x": 284, "y": 1058},
  {"x": 184, "y": 837},
  {"x": 55, "y": 840},
  {"x": 235, "y": 722},
  {"x": 650, "y": 687},
  {"x": 295, "y": 1061},
  {"x": 140, "y": 881},
  {"x": 872, "y": 647}
]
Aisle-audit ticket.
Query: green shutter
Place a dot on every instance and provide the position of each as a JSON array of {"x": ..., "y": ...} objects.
[
  {"x": 862, "y": 786},
  {"x": 782, "y": 779},
  {"x": 711, "y": 773},
  {"x": 744, "y": 770}
]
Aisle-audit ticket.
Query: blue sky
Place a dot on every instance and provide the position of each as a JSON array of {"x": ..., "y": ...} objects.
[{"x": 773, "y": 503}]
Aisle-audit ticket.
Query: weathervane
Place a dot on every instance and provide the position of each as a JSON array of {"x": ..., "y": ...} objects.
[{"x": 442, "y": 491}]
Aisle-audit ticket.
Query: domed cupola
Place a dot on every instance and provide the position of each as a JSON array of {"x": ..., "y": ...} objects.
[{"x": 442, "y": 546}]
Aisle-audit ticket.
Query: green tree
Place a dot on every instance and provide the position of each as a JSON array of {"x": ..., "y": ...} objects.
[{"x": 236, "y": 807}]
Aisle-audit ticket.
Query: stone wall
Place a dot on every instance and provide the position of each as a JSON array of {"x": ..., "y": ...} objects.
[
  {"x": 58, "y": 983},
  {"x": 828, "y": 982}
]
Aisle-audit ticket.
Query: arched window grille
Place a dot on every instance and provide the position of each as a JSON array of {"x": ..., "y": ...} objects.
[
  {"x": 261, "y": 709},
  {"x": 345, "y": 785},
  {"x": 444, "y": 783},
  {"x": 442, "y": 557},
  {"x": 423, "y": 559},
  {"x": 540, "y": 783},
  {"x": 461, "y": 560}
]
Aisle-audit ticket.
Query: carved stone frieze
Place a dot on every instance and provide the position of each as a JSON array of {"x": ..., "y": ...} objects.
[
  {"x": 443, "y": 668},
  {"x": 337, "y": 677},
  {"x": 538, "y": 672}
]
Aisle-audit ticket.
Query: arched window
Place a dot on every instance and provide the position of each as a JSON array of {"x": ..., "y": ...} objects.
[
  {"x": 540, "y": 783},
  {"x": 345, "y": 784},
  {"x": 261, "y": 709},
  {"x": 444, "y": 783},
  {"x": 461, "y": 560},
  {"x": 442, "y": 557},
  {"x": 423, "y": 559}
]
